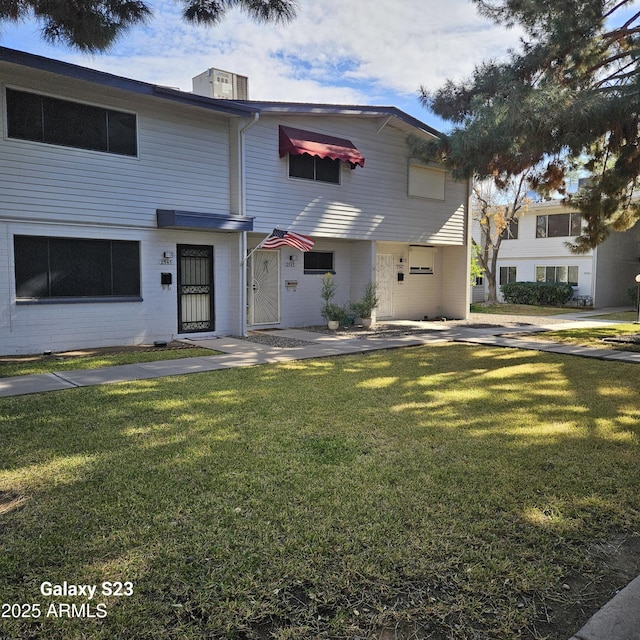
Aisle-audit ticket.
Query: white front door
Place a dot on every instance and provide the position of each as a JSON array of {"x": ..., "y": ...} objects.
[
  {"x": 264, "y": 288},
  {"x": 384, "y": 282}
]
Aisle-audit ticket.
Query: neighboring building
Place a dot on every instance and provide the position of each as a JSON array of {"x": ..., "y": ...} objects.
[
  {"x": 535, "y": 250},
  {"x": 128, "y": 210}
]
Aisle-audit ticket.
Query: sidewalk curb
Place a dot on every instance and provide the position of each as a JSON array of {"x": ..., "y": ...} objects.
[{"x": 619, "y": 619}]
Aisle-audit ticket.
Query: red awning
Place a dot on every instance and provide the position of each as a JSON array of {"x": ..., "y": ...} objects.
[{"x": 297, "y": 141}]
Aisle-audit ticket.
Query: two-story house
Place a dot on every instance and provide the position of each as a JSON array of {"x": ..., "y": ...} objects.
[
  {"x": 534, "y": 249},
  {"x": 129, "y": 209}
]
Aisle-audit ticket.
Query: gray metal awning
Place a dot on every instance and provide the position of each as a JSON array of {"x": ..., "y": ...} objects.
[{"x": 172, "y": 219}]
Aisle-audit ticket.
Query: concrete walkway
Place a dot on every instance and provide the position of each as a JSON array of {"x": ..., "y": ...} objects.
[{"x": 618, "y": 620}]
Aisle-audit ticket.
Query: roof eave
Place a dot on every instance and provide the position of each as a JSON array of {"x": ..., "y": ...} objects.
[
  {"x": 301, "y": 108},
  {"x": 69, "y": 70}
]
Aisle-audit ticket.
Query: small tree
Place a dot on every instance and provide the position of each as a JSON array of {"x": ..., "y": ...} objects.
[
  {"x": 364, "y": 307},
  {"x": 330, "y": 310},
  {"x": 496, "y": 211}
]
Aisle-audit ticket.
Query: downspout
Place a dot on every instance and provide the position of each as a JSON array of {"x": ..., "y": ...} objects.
[{"x": 243, "y": 212}]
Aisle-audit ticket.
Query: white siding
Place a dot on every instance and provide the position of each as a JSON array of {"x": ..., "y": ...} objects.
[
  {"x": 370, "y": 203},
  {"x": 34, "y": 328},
  {"x": 182, "y": 163}
]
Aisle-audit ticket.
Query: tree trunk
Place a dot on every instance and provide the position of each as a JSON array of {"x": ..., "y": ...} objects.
[
  {"x": 493, "y": 291},
  {"x": 492, "y": 274}
]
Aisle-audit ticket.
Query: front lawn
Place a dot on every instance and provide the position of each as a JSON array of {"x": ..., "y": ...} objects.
[
  {"x": 593, "y": 336},
  {"x": 443, "y": 492}
]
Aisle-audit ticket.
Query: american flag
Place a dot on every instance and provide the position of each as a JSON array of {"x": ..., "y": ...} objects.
[{"x": 280, "y": 238}]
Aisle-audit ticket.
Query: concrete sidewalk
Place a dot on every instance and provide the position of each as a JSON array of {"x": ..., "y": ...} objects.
[{"x": 618, "y": 620}]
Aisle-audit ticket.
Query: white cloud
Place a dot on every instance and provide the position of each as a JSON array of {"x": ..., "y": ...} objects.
[{"x": 355, "y": 52}]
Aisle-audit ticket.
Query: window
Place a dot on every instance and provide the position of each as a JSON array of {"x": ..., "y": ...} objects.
[
  {"x": 421, "y": 259},
  {"x": 510, "y": 232},
  {"x": 426, "y": 182},
  {"x": 31, "y": 116},
  {"x": 478, "y": 281},
  {"x": 76, "y": 268},
  {"x": 559, "y": 225},
  {"x": 314, "y": 168},
  {"x": 558, "y": 274},
  {"x": 508, "y": 274},
  {"x": 318, "y": 262}
]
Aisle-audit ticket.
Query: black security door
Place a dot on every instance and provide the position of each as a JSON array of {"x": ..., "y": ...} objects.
[{"x": 195, "y": 288}]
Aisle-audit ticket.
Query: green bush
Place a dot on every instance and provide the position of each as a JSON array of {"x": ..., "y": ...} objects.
[{"x": 539, "y": 293}]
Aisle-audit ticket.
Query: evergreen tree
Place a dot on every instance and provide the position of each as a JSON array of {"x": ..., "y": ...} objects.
[
  {"x": 569, "y": 96},
  {"x": 94, "y": 25}
]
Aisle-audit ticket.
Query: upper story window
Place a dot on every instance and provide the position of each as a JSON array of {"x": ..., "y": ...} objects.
[
  {"x": 510, "y": 232},
  {"x": 558, "y": 225},
  {"x": 426, "y": 182},
  {"x": 314, "y": 168},
  {"x": 316, "y": 156},
  {"x": 65, "y": 268},
  {"x": 31, "y": 116}
]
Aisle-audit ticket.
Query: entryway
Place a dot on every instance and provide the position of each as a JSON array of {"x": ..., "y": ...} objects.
[
  {"x": 264, "y": 288},
  {"x": 195, "y": 288},
  {"x": 384, "y": 282}
]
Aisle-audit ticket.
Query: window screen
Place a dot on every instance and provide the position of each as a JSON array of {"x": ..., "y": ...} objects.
[
  {"x": 507, "y": 274},
  {"x": 314, "y": 168},
  {"x": 40, "y": 118},
  {"x": 76, "y": 268},
  {"x": 318, "y": 262}
]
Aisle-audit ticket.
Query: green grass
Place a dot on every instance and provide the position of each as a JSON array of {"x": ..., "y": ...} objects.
[
  {"x": 30, "y": 365},
  {"x": 593, "y": 336},
  {"x": 520, "y": 309},
  {"x": 622, "y": 316},
  {"x": 446, "y": 491}
]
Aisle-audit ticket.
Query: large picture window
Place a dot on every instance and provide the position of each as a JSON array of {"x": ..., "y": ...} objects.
[
  {"x": 31, "y": 116},
  {"x": 65, "y": 268},
  {"x": 558, "y": 274}
]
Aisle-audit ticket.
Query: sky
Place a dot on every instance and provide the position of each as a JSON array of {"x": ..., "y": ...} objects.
[{"x": 366, "y": 52}]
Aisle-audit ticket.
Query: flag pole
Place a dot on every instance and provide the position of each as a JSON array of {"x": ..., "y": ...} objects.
[{"x": 256, "y": 248}]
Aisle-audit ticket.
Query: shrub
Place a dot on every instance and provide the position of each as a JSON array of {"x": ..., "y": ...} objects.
[
  {"x": 364, "y": 308},
  {"x": 539, "y": 293}
]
